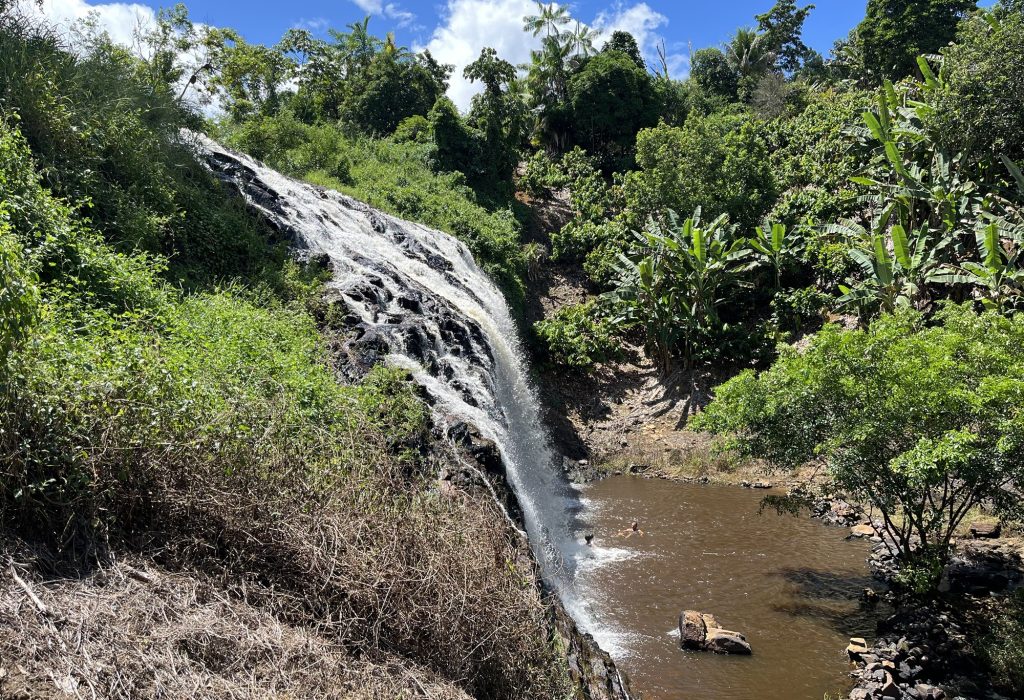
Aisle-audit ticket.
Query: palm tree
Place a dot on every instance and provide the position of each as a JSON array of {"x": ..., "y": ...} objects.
[
  {"x": 749, "y": 54},
  {"x": 358, "y": 45},
  {"x": 582, "y": 39},
  {"x": 393, "y": 50},
  {"x": 549, "y": 18}
]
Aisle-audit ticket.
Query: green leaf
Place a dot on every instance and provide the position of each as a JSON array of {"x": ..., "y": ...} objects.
[
  {"x": 875, "y": 127},
  {"x": 866, "y": 181},
  {"x": 883, "y": 262},
  {"x": 778, "y": 237},
  {"x": 1015, "y": 172},
  {"x": 901, "y": 246},
  {"x": 926, "y": 71}
]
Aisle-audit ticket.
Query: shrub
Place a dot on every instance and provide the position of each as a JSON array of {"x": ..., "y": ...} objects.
[
  {"x": 922, "y": 422},
  {"x": 718, "y": 163},
  {"x": 18, "y": 294},
  {"x": 415, "y": 129},
  {"x": 541, "y": 173},
  {"x": 578, "y": 336},
  {"x": 1002, "y": 648}
]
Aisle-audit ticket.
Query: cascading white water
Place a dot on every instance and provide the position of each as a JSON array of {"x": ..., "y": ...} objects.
[{"x": 419, "y": 294}]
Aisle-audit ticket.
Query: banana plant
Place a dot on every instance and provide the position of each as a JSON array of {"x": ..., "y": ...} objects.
[
  {"x": 913, "y": 175},
  {"x": 998, "y": 275},
  {"x": 896, "y": 268},
  {"x": 675, "y": 279},
  {"x": 773, "y": 244}
]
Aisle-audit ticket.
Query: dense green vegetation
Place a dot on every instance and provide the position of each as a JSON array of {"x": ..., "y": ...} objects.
[
  {"x": 940, "y": 433},
  {"x": 162, "y": 358},
  {"x": 166, "y": 391}
]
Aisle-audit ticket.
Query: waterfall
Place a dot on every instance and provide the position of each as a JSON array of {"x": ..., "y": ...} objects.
[{"x": 419, "y": 300}]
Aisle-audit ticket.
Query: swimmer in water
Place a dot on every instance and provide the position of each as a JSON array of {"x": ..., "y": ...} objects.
[
  {"x": 633, "y": 529},
  {"x": 589, "y": 537}
]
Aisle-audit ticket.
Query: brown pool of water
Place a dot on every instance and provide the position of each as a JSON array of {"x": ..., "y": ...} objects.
[{"x": 790, "y": 585}]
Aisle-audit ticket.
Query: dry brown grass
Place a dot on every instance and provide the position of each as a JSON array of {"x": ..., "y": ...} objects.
[
  {"x": 132, "y": 630},
  {"x": 281, "y": 568},
  {"x": 283, "y": 588}
]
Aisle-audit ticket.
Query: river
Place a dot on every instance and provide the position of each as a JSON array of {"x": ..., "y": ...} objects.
[{"x": 790, "y": 585}]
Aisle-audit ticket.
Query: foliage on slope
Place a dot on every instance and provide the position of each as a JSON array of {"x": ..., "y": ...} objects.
[{"x": 202, "y": 427}]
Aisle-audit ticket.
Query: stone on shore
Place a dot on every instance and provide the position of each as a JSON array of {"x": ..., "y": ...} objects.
[
  {"x": 857, "y": 648},
  {"x": 987, "y": 531},
  {"x": 862, "y": 530}
]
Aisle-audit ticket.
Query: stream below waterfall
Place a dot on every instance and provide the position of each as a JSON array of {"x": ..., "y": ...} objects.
[{"x": 790, "y": 585}]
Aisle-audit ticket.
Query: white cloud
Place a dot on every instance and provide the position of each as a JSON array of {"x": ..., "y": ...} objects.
[
  {"x": 316, "y": 25},
  {"x": 389, "y": 10},
  {"x": 639, "y": 20},
  {"x": 643, "y": 23},
  {"x": 469, "y": 26},
  {"x": 119, "y": 20}
]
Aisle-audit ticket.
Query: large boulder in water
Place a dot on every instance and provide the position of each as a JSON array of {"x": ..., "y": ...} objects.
[
  {"x": 701, "y": 632},
  {"x": 725, "y": 642},
  {"x": 692, "y": 630}
]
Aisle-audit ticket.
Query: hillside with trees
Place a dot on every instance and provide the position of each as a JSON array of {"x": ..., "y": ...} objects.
[{"x": 836, "y": 241}]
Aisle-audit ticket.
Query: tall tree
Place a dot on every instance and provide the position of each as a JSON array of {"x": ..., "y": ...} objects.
[
  {"x": 550, "y": 19},
  {"x": 783, "y": 27},
  {"x": 710, "y": 69},
  {"x": 895, "y": 32},
  {"x": 581, "y": 40},
  {"x": 612, "y": 98},
  {"x": 497, "y": 113},
  {"x": 626, "y": 43}
]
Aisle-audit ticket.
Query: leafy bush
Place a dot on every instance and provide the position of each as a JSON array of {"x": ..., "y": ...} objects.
[
  {"x": 1002, "y": 647},
  {"x": 982, "y": 107},
  {"x": 578, "y": 336},
  {"x": 718, "y": 163},
  {"x": 813, "y": 156},
  {"x": 18, "y": 294},
  {"x": 927, "y": 206},
  {"x": 920, "y": 421},
  {"x": 541, "y": 173},
  {"x": 415, "y": 129}
]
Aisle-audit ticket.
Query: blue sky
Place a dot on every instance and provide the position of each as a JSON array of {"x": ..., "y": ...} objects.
[
  {"x": 700, "y": 22},
  {"x": 456, "y": 30}
]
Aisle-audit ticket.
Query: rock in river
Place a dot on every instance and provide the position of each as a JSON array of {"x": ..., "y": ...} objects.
[
  {"x": 693, "y": 630},
  {"x": 702, "y": 632},
  {"x": 726, "y": 642}
]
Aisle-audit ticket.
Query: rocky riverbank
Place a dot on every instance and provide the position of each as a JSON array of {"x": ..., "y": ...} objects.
[{"x": 929, "y": 649}]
